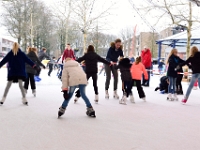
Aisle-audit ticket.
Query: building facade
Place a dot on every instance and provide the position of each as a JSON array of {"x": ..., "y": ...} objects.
[{"x": 5, "y": 44}]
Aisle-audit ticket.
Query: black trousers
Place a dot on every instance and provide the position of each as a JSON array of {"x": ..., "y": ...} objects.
[
  {"x": 30, "y": 77},
  {"x": 127, "y": 87},
  {"x": 94, "y": 78},
  {"x": 139, "y": 88},
  {"x": 178, "y": 83},
  {"x": 38, "y": 71},
  {"x": 50, "y": 69}
]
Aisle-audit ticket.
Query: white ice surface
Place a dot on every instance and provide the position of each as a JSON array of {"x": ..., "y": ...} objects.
[{"x": 155, "y": 125}]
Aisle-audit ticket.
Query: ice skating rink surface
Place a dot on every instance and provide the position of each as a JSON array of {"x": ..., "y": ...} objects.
[{"x": 153, "y": 125}]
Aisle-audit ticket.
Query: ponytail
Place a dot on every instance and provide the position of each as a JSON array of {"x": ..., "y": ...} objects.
[{"x": 15, "y": 48}]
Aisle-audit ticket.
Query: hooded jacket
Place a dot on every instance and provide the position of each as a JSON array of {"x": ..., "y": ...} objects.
[
  {"x": 113, "y": 53},
  {"x": 91, "y": 62},
  {"x": 146, "y": 58},
  {"x": 124, "y": 67},
  {"x": 73, "y": 75},
  {"x": 194, "y": 62}
]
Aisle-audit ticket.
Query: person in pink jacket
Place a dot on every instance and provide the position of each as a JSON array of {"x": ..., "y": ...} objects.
[{"x": 137, "y": 70}]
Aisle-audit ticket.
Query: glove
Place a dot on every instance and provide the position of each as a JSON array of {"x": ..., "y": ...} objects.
[
  {"x": 44, "y": 67},
  {"x": 65, "y": 94}
]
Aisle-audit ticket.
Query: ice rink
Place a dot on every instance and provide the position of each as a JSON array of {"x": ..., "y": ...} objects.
[{"x": 153, "y": 125}]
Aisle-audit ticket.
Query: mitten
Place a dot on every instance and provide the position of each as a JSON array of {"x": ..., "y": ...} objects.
[{"x": 65, "y": 94}]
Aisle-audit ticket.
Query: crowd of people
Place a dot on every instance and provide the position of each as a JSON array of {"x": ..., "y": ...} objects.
[{"x": 74, "y": 73}]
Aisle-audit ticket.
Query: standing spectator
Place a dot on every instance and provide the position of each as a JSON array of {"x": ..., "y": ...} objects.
[
  {"x": 68, "y": 53},
  {"x": 16, "y": 60},
  {"x": 146, "y": 61},
  {"x": 32, "y": 55},
  {"x": 161, "y": 66},
  {"x": 51, "y": 64},
  {"x": 114, "y": 52}
]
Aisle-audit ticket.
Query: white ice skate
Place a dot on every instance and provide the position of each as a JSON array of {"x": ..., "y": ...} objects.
[
  {"x": 144, "y": 99},
  {"x": 195, "y": 88},
  {"x": 132, "y": 99},
  {"x": 25, "y": 90},
  {"x": 123, "y": 100},
  {"x": 175, "y": 97},
  {"x": 115, "y": 95},
  {"x": 76, "y": 99},
  {"x": 96, "y": 98},
  {"x": 106, "y": 94},
  {"x": 2, "y": 100},
  {"x": 24, "y": 101},
  {"x": 169, "y": 98},
  {"x": 34, "y": 93}
]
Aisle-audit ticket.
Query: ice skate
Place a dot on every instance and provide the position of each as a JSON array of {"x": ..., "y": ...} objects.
[
  {"x": 90, "y": 112},
  {"x": 24, "y": 101},
  {"x": 169, "y": 98},
  {"x": 2, "y": 100},
  {"x": 107, "y": 94},
  {"x": 25, "y": 90},
  {"x": 76, "y": 99},
  {"x": 115, "y": 95},
  {"x": 132, "y": 99},
  {"x": 34, "y": 93},
  {"x": 61, "y": 111},
  {"x": 184, "y": 101},
  {"x": 195, "y": 88},
  {"x": 123, "y": 100},
  {"x": 144, "y": 99},
  {"x": 96, "y": 98},
  {"x": 175, "y": 97}
]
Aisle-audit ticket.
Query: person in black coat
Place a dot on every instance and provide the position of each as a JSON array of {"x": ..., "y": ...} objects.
[
  {"x": 16, "y": 60},
  {"x": 91, "y": 67},
  {"x": 124, "y": 67},
  {"x": 163, "y": 86},
  {"x": 32, "y": 55}
]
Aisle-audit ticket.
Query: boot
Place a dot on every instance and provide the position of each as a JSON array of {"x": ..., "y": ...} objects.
[
  {"x": 90, "y": 112},
  {"x": 106, "y": 94},
  {"x": 34, "y": 93},
  {"x": 144, "y": 99},
  {"x": 132, "y": 98},
  {"x": 170, "y": 97},
  {"x": 2, "y": 100},
  {"x": 61, "y": 111},
  {"x": 115, "y": 95},
  {"x": 123, "y": 100},
  {"x": 24, "y": 101},
  {"x": 96, "y": 98},
  {"x": 175, "y": 97}
]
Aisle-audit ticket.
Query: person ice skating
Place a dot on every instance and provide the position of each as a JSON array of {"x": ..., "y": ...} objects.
[
  {"x": 74, "y": 77},
  {"x": 146, "y": 61},
  {"x": 60, "y": 63},
  {"x": 68, "y": 53},
  {"x": 163, "y": 86},
  {"x": 16, "y": 60},
  {"x": 91, "y": 67},
  {"x": 113, "y": 54},
  {"x": 42, "y": 55},
  {"x": 124, "y": 67},
  {"x": 137, "y": 70},
  {"x": 161, "y": 66},
  {"x": 51, "y": 65},
  {"x": 32, "y": 55},
  {"x": 194, "y": 61},
  {"x": 173, "y": 61}
]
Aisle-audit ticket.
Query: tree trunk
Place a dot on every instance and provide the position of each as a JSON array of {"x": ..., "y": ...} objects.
[
  {"x": 189, "y": 35},
  {"x": 84, "y": 42}
]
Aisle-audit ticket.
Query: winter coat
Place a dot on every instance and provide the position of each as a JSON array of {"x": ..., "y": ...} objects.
[
  {"x": 124, "y": 67},
  {"x": 164, "y": 84},
  {"x": 160, "y": 65},
  {"x": 16, "y": 67},
  {"x": 137, "y": 70},
  {"x": 43, "y": 55},
  {"x": 91, "y": 62},
  {"x": 173, "y": 61},
  {"x": 68, "y": 53},
  {"x": 32, "y": 56},
  {"x": 194, "y": 62},
  {"x": 146, "y": 58},
  {"x": 114, "y": 54},
  {"x": 73, "y": 75}
]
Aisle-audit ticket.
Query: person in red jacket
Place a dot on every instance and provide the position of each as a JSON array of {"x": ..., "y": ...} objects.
[
  {"x": 146, "y": 61},
  {"x": 68, "y": 53}
]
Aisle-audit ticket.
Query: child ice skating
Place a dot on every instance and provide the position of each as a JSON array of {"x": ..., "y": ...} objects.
[
  {"x": 32, "y": 55},
  {"x": 74, "y": 77},
  {"x": 137, "y": 71},
  {"x": 16, "y": 60},
  {"x": 163, "y": 86},
  {"x": 124, "y": 66}
]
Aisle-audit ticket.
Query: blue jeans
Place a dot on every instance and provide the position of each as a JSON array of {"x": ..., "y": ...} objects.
[
  {"x": 195, "y": 77},
  {"x": 61, "y": 69},
  {"x": 82, "y": 91},
  {"x": 172, "y": 85}
]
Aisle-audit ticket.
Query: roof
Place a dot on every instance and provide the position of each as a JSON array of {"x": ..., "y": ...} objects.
[{"x": 180, "y": 39}]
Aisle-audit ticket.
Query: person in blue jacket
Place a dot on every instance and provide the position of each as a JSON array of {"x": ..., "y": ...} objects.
[{"x": 16, "y": 60}]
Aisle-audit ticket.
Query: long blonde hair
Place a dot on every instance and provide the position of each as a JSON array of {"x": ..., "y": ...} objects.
[
  {"x": 15, "y": 48},
  {"x": 173, "y": 51},
  {"x": 193, "y": 51}
]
